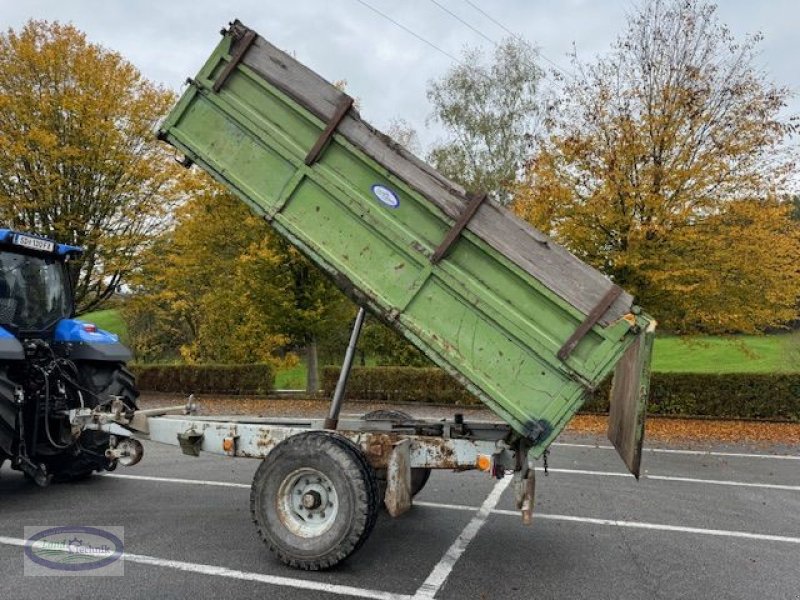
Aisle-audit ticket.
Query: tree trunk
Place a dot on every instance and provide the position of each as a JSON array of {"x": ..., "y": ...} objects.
[{"x": 312, "y": 368}]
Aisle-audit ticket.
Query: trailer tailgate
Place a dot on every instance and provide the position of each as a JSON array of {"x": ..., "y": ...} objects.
[{"x": 629, "y": 393}]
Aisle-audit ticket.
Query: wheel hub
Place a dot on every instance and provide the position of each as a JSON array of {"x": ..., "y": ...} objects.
[
  {"x": 312, "y": 500},
  {"x": 307, "y": 502}
]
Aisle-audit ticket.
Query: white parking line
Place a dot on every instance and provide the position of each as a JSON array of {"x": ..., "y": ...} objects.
[
  {"x": 217, "y": 571},
  {"x": 434, "y": 582},
  {"x": 178, "y": 480},
  {"x": 769, "y": 486},
  {"x": 764, "y": 537},
  {"x": 616, "y": 523},
  {"x": 687, "y": 452}
]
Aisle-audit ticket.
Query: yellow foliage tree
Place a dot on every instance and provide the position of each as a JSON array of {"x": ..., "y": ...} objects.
[
  {"x": 190, "y": 295},
  {"x": 77, "y": 156},
  {"x": 661, "y": 165},
  {"x": 222, "y": 287}
]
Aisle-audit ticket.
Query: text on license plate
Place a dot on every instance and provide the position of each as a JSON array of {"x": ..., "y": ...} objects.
[{"x": 34, "y": 243}]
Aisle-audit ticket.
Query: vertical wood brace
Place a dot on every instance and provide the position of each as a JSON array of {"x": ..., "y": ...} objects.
[
  {"x": 475, "y": 201},
  {"x": 339, "y": 114},
  {"x": 590, "y": 321},
  {"x": 243, "y": 46}
]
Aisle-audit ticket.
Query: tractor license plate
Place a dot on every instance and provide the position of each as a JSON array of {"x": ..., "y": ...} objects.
[{"x": 34, "y": 243}]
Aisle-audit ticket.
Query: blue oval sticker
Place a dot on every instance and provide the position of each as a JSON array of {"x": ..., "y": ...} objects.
[
  {"x": 74, "y": 548},
  {"x": 385, "y": 195}
]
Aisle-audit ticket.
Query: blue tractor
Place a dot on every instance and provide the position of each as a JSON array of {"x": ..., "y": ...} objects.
[{"x": 53, "y": 367}]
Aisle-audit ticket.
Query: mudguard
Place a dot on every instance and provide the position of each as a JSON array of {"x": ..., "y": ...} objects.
[
  {"x": 10, "y": 347},
  {"x": 80, "y": 340}
]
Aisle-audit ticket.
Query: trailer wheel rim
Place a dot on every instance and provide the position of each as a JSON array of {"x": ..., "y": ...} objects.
[{"x": 307, "y": 502}]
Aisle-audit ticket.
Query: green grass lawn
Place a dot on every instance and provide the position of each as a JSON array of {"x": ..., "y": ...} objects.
[
  {"x": 731, "y": 354},
  {"x": 110, "y": 320},
  {"x": 292, "y": 378}
]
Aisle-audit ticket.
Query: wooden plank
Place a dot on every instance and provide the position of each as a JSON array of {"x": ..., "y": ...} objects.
[
  {"x": 556, "y": 268},
  {"x": 341, "y": 110},
  {"x": 628, "y": 403},
  {"x": 455, "y": 231},
  {"x": 590, "y": 321},
  {"x": 242, "y": 46}
]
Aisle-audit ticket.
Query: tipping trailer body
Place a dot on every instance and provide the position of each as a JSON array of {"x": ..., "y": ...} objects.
[{"x": 522, "y": 323}]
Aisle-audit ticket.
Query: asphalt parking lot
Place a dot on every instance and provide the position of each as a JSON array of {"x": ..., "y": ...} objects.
[{"x": 698, "y": 525}]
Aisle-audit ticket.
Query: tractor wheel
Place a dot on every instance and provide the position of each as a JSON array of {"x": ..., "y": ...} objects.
[
  {"x": 419, "y": 475},
  {"x": 8, "y": 413},
  {"x": 314, "y": 500},
  {"x": 105, "y": 380}
]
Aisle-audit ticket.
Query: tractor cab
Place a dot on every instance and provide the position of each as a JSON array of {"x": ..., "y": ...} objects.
[{"x": 35, "y": 289}]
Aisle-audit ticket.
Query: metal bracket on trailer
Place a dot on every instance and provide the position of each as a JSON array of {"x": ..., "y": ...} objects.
[
  {"x": 190, "y": 442},
  {"x": 590, "y": 321},
  {"x": 244, "y": 40},
  {"x": 398, "y": 479},
  {"x": 475, "y": 201},
  {"x": 524, "y": 492},
  {"x": 341, "y": 110}
]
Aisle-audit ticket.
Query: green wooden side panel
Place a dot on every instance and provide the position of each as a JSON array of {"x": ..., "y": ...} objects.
[{"x": 477, "y": 314}]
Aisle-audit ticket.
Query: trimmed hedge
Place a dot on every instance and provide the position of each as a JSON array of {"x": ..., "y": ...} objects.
[
  {"x": 734, "y": 395},
  {"x": 210, "y": 378},
  {"x": 399, "y": 384}
]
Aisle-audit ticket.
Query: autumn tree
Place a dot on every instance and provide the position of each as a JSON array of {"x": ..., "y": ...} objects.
[
  {"x": 386, "y": 347},
  {"x": 225, "y": 288},
  {"x": 188, "y": 298},
  {"x": 307, "y": 307},
  {"x": 489, "y": 110},
  {"x": 664, "y": 163},
  {"x": 77, "y": 156}
]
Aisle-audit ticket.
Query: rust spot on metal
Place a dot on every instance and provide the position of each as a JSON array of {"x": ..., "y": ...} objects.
[
  {"x": 265, "y": 440},
  {"x": 375, "y": 449},
  {"x": 442, "y": 454},
  {"x": 378, "y": 447}
]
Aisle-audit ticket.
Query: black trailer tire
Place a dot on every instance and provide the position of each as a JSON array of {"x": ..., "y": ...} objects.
[
  {"x": 105, "y": 380},
  {"x": 314, "y": 500},
  {"x": 419, "y": 475}
]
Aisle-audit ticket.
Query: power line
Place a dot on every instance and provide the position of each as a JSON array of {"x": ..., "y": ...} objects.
[
  {"x": 514, "y": 35},
  {"x": 473, "y": 28},
  {"x": 407, "y": 30},
  {"x": 492, "y": 19},
  {"x": 444, "y": 52}
]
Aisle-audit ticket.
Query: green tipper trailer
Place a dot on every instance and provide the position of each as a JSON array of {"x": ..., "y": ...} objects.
[{"x": 522, "y": 323}]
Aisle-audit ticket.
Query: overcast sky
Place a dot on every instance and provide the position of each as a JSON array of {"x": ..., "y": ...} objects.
[{"x": 386, "y": 67}]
